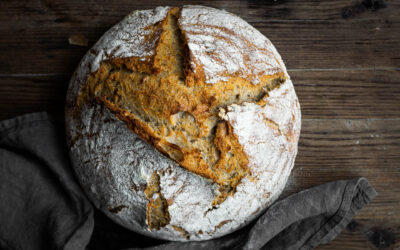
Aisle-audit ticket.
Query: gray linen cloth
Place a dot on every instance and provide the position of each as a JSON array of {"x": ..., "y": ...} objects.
[{"x": 43, "y": 207}]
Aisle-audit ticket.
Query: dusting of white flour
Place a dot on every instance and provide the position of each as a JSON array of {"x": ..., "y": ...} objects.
[
  {"x": 114, "y": 165},
  {"x": 221, "y": 42}
]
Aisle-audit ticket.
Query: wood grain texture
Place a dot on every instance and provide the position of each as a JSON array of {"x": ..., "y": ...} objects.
[
  {"x": 336, "y": 149},
  {"x": 348, "y": 93},
  {"x": 32, "y": 93},
  {"x": 37, "y": 32},
  {"x": 343, "y": 57}
]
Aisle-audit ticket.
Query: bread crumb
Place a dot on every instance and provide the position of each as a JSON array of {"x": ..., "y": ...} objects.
[
  {"x": 79, "y": 40},
  {"x": 222, "y": 114}
]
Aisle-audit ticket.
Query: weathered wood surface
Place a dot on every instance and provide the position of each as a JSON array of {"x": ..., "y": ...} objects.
[
  {"x": 308, "y": 34},
  {"x": 336, "y": 149},
  {"x": 343, "y": 56}
]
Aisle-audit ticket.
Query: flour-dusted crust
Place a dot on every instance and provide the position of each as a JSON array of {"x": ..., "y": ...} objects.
[
  {"x": 115, "y": 166},
  {"x": 125, "y": 39},
  {"x": 215, "y": 36}
]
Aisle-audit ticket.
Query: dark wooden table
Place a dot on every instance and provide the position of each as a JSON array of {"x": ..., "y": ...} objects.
[{"x": 343, "y": 56}]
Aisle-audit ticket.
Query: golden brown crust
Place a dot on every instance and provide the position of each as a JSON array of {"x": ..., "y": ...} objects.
[
  {"x": 157, "y": 208},
  {"x": 188, "y": 117},
  {"x": 181, "y": 230},
  {"x": 168, "y": 105}
]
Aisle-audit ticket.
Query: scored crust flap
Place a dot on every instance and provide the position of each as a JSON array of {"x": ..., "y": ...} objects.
[{"x": 181, "y": 121}]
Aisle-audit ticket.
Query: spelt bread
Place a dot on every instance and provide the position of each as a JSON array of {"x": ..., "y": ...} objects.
[{"x": 182, "y": 123}]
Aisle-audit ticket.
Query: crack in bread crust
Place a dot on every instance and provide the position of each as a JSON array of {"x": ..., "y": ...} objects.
[
  {"x": 169, "y": 106},
  {"x": 181, "y": 231},
  {"x": 157, "y": 208}
]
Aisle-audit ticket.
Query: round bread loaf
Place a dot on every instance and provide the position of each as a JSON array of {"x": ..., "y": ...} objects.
[{"x": 182, "y": 123}]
